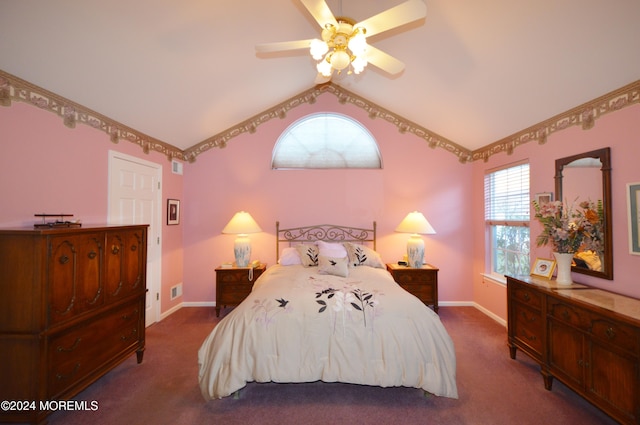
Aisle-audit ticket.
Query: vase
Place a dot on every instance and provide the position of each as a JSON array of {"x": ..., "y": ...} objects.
[{"x": 563, "y": 261}]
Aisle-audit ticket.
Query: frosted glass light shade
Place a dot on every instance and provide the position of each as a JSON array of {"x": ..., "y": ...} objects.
[
  {"x": 340, "y": 59},
  {"x": 241, "y": 224}
]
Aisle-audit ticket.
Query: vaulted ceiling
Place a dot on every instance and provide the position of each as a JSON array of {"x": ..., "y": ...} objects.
[{"x": 184, "y": 71}]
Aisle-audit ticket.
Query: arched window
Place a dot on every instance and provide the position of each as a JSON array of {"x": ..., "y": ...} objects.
[{"x": 326, "y": 140}]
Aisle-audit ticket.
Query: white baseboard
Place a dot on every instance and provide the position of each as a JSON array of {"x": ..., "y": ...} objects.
[{"x": 491, "y": 314}]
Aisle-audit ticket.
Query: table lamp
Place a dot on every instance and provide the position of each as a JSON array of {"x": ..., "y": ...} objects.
[
  {"x": 242, "y": 224},
  {"x": 416, "y": 224}
]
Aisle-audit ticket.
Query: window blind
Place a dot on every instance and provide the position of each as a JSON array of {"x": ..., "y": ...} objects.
[{"x": 506, "y": 195}]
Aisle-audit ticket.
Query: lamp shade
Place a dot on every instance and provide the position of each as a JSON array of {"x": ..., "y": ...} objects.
[
  {"x": 241, "y": 224},
  {"x": 415, "y": 222}
]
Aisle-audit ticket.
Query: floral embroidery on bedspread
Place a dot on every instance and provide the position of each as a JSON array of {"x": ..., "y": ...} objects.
[
  {"x": 266, "y": 311},
  {"x": 345, "y": 300}
]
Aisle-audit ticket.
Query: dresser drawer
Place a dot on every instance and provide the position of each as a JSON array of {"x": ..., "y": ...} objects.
[
  {"x": 409, "y": 278},
  {"x": 527, "y": 296},
  {"x": 569, "y": 314},
  {"x": 425, "y": 293},
  {"x": 616, "y": 334},
  {"x": 77, "y": 352},
  {"x": 235, "y": 293},
  {"x": 528, "y": 326}
]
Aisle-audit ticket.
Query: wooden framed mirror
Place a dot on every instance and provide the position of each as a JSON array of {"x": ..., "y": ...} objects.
[{"x": 583, "y": 177}]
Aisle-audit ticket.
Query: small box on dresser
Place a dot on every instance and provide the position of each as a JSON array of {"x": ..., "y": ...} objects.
[
  {"x": 72, "y": 307},
  {"x": 422, "y": 282}
]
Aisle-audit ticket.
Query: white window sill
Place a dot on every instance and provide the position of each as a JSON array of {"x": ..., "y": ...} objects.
[{"x": 495, "y": 278}]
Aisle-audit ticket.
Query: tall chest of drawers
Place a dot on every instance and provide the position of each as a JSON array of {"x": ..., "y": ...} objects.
[
  {"x": 585, "y": 337},
  {"x": 72, "y": 307}
]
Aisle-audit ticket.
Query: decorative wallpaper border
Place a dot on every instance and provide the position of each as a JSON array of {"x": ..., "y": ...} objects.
[{"x": 15, "y": 89}]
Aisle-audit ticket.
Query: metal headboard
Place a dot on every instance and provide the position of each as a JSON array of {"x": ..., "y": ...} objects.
[{"x": 324, "y": 232}]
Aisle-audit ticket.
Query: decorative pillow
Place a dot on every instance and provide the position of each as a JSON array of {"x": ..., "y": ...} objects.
[
  {"x": 290, "y": 257},
  {"x": 360, "y": 255},
  {"x": 331, "y": 249},
  {"x": 308, "y": 254},
  {"x": 333, "y": 265}
]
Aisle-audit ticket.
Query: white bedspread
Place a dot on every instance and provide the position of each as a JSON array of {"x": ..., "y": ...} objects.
[{"x": 301, "y": 326}]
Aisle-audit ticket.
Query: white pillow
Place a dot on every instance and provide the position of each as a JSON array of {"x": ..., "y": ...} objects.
[
  {"x": 308, "y": 254},
  {"x": 334, "y": 266},
  {"x": 329, "y": 249},
  {"x": 360, "y": 255},
  {"x": 290, "y": 257}
]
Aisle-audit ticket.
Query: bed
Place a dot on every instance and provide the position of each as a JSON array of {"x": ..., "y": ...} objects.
[{"x": 328, "y": 311}]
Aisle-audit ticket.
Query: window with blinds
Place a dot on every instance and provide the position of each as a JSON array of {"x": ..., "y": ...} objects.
[{"x": 507, "y": 207}]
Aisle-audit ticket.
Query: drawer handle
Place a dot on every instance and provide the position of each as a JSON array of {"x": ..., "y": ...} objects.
[
  {"x": 115, "y": 249},
  {"x": 527, "y": 318},
  {"x": 526, "y": 296},
  {"x": 73, "y": 372},
  {"x": 565, "y": 314},
  {"x": 63, "y": 259},
  {"x": 134, "y": 247},
  {"x": 92, "y": 255},
  {"x": 133, "y": 334},
  {"x": 73, "y": 347},
  {"x": 610, "y": 332},
  {"x": 129, "y": 316}
]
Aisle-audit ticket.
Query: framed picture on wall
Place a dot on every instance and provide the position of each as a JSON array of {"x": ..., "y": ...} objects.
[
  {"x": 173, "y": 212},
  {"x": 543, "y": 267},
  {"x": 544, "y": 198},
  {"x": 633, "y": 201}
]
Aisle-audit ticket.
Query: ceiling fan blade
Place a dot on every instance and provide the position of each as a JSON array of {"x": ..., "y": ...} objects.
[
  {"x": 320, "y": 12},
  {"x": 401, "y": 14},
  {"x": 284, "y": 45},
  {"x": 384, "y": 61}
]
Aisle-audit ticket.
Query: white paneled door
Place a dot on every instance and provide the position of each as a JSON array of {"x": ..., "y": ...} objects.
[{"x": 135, "y": 197}]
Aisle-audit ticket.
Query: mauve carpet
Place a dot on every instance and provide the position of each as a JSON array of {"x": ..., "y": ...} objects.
[{"x": 493, "y": 388}]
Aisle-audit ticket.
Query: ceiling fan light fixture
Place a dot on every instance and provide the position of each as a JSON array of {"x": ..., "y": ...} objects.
[
  {"x": 340, "y": 59},
  {"x": 324, "y": 68},
  {"x": 318, "y": 49},
  {"x": 342, "y": 45},
  {"x": 358, "y": 42}
]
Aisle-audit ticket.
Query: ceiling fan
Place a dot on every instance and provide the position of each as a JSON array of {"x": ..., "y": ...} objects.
[{"x": 343, "y": 45}]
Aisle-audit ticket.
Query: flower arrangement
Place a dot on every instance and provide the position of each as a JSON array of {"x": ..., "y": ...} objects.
[{"x": 571, "y": 230}]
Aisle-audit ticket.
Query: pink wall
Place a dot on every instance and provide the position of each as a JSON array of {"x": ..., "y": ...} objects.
[
  {"x": 47, "y": 167},
  {"x": 415, "y": 177},
  {"x": 617, "y": 130}
]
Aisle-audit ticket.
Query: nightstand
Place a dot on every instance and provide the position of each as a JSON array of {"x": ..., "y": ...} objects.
[
  {"x": 233, "y": 285},
  {"x": 422, "y": 282}
]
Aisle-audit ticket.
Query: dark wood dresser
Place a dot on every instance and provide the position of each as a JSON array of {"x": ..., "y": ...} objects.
[
  {"x": 72, "y": 307},
  {"x": 587, "y": 338}
]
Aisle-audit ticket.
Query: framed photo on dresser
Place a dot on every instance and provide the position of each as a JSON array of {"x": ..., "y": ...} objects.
[{"x": 543, "y": 267}]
